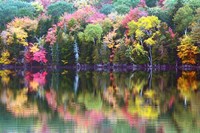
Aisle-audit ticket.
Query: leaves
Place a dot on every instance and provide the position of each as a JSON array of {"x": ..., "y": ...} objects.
[
  {"x": 16, "y": 36},
  {"x": 183, "y": 18},
  {"x": 187, "y": 51},
  {"x": 18, "y": 31},
  {"x": 24, "y": 23},
  {"x": 4, "y": 59},
  {"x": 51, "y": 36},
  {"x": 35, "y": 53},
  {"x": 134, "y": 14},
  {"x": 144, "y": 26},
  {"x": 93, "y": 32},
  {"x": 40, "y": 56},
  {"x": 187, "y": 83}
]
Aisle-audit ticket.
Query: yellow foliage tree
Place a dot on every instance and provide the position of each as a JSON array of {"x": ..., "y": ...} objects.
[
  {"x": 16, "y": 36},
  {"x": 187, "y": 51},
  {"x": 145, "y": 31},
  {"x": 4, "y": 59},
  {"x": 25, "y": 23},
  {"x": 112, "y": 42},
  {"x": 18, "y": 30}
]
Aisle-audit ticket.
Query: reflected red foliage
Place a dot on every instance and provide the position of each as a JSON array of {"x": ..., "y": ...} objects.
[
  {"x": 51, "y": 99},
  {"x": 39, "y": 79}
]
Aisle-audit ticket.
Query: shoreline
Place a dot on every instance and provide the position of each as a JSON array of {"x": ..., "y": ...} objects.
[{"x": 104, "y": 67}]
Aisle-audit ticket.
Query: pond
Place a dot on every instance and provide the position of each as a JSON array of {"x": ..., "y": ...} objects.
[{"x": 44, "y": 101}]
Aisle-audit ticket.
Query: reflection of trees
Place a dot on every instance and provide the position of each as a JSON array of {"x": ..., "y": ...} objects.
[
  {"x": 142, "y": 109},
  {"x": 122, "y": 100},
  {"x": 17, "y": 103},
  {"x": 90, "y": 100},
  {"x": 5, "y": 78},
  {"x": 187, "y": 117},
  {"x": 16, "y": 99},
  {"x": 187, "y": 84}
]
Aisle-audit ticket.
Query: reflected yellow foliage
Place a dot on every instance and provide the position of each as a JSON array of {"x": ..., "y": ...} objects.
[
  {"x": 34, "y": 85},
  {"x": 150, "y": 93},
  {"x": 187, "y": 83},
  {"x": 18, "y": 105},
  {"x": 20, "y": 99},
  {"x": 5, "y": 78},
  {"x": 143, "y": 110},
  {"x": 6, "y": 96},
  {"x": 138, "y": 86}
]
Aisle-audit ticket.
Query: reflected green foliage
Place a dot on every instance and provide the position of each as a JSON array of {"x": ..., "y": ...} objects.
[{"x": 91, "y": 101}]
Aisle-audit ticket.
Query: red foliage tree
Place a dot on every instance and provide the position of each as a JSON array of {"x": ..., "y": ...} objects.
[
  {"x": 51, "y": 35},
  {"x": 134, "y": 14},
  {"x": 40, "y": 56}
]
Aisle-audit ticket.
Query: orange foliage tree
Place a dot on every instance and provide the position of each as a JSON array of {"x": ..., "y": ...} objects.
[{"x": 187, "y": 51}]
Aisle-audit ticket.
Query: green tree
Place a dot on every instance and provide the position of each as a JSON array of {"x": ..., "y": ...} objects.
[
  {"x": 92, "y": 33},
  {"x": 163, "y": 14},
  {"x": 195, "y": 27},
  {"x": 106, "y": 9},
  {"x": 194, "y": 4},
  {"x": 10, "y": 9},
  {"x": 57, "y": 9},
  {"x": 151, "y": 3},
  {"x": 183, "y": 18},
  {"x": 123, "y": 6}
]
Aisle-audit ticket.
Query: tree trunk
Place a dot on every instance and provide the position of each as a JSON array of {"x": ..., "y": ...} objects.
[
  {"x": 111, "y": 58},
  {"x": 57, "y": 54},
  {"x": 186, "y": 31},
  {"x": 76, "y": 49},
  {"x": 150, "y": 57}
]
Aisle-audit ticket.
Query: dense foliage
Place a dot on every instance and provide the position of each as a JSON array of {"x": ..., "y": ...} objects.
[{"x": 99, "y": 31}]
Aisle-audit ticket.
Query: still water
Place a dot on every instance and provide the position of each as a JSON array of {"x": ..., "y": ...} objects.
[{"x": 99, "y": 102}]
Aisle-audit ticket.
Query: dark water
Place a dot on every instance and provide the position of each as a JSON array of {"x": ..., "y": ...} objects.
[{"x": 99, "y": 102}]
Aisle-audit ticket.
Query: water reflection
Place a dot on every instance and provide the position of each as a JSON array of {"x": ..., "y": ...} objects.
[{"x": 43, "y": 101}]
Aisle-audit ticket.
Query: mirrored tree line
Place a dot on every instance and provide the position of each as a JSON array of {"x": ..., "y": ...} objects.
[{"x": 100, "y": 94}]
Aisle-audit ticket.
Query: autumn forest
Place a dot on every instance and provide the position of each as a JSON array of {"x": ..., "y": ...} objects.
[{"x": 62, "y": 32}]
